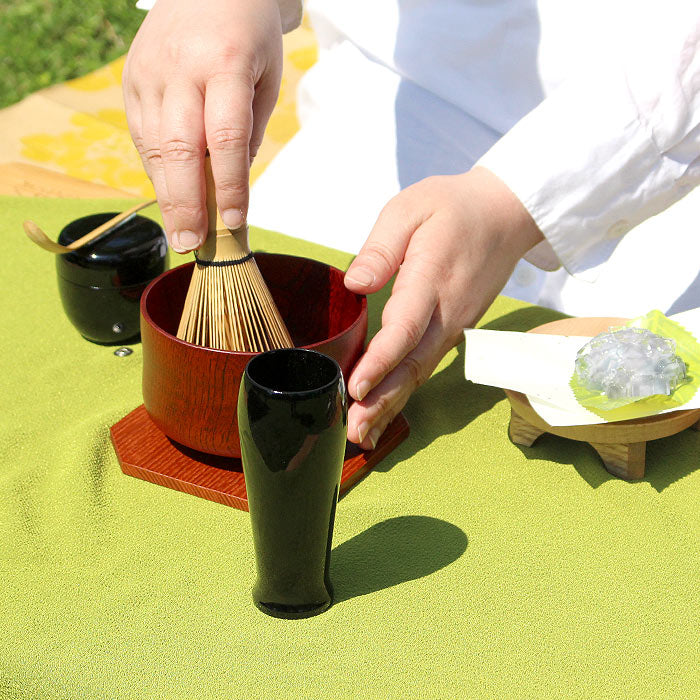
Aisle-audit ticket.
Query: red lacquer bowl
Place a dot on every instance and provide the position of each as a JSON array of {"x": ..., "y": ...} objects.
[{"x": 191, "y": 392}]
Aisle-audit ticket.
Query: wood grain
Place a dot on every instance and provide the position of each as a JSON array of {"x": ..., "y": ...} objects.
[
  {"x": 146, "y": 453},
  {"x": 627, "y": 461},
  {"x": 191, "y": 392},
  {"x": 522, "y": 432}
]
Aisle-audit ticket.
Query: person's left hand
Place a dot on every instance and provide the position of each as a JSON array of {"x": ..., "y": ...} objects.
[{"x": 454, "y": 241}]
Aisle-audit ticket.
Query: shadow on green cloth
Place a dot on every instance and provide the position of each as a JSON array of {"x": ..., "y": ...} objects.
[
  {"x": 392, "y": 552},
  {"x": 524, "y": 319},
  {"x": 467, "y": 401},
  {"x": 667, "y": 459}
]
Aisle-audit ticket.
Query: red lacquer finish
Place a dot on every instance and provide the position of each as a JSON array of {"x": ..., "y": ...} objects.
[
  {"x": 145, "y": 453},
  {"x": 191, "y": 392}
]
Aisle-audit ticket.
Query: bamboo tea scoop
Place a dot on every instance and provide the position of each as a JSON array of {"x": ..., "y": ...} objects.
[{"x": 43, "y": 241}]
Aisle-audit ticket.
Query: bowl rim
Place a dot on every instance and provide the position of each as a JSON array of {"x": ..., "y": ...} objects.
[{"x": 239, "y": 353}]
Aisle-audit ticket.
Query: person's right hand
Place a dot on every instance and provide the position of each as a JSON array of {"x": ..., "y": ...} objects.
[{"x": 202, "y": 75}]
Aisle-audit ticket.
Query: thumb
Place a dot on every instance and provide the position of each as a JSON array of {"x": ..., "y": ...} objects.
[{"x": 383, "y": 252}]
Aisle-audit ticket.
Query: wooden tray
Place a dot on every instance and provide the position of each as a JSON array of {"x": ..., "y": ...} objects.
[
  {"x": 146, "y": 453},
  {"x": 621, "y": 445}
]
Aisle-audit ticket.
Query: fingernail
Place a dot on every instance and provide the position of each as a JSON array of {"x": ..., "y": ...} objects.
[
  {"x": 233, "y": 218},
  {"x": 362, "y": 430},
  {"x": 374, "y": 436},
  {"x": 362, "y": 389},
  {"x": 186, "y": 240},
  {"x": 362, "y": 276}
]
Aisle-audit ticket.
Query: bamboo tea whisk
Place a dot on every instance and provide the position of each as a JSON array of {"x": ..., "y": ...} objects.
[{"x": 228, "y": 305}]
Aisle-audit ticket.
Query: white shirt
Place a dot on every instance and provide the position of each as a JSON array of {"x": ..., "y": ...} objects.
[
  {"x": 631, "y": 143},
  {"x": 588, "y": 111}
]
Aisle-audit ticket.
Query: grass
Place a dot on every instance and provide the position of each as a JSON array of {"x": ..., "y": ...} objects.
[{"x": 43, "y": 42}]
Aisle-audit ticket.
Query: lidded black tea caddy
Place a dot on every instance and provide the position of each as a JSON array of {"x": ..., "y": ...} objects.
[{"x": 100, "y": 284}]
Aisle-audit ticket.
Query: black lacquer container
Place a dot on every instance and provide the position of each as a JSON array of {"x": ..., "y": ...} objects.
[
  {"x": 292, "y": 422},
  {"x": 101, "y": 283}
]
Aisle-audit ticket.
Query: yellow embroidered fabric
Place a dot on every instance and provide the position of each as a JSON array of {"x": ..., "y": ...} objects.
[{"x": 78, "y": 128}]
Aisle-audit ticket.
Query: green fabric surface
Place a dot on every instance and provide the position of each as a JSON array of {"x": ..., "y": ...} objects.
[{"x": 464, "y": 566}]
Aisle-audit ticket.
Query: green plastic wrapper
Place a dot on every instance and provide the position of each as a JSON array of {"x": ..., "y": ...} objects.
[{"x": 687, "y": 347}]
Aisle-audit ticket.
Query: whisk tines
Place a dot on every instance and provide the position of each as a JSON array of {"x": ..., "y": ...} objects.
[{"x": 228, "y": 305}]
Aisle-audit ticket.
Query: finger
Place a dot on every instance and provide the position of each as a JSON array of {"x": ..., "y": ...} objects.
[
  {"x": 368, "y": 419},
  {"x": 134, "y": 122},
  {"x": 404, "y": 321},
  {"x": 130, "y": 92},
  {"x": 383, "y": 252},
  {"x": 151, "y": 109},
  {"x": 266, "y": 94},
  {"x": 132, "y": 107},
  {"x": 182, "y": 148},
  {"x": 134, "y": 113},
  {"x": 143, "y": 120},
  {"x": 228, "y": 119},
  {"x": 369, "y": 436}
]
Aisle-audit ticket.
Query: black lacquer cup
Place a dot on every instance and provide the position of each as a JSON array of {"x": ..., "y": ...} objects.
[{"x": 292, "y": 421}]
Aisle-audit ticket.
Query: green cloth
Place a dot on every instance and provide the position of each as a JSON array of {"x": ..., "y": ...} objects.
[{"x": 464, "y": 566}]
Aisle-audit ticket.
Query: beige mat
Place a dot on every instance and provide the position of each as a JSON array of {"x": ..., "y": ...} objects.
[{"x": 78, "y": 129}]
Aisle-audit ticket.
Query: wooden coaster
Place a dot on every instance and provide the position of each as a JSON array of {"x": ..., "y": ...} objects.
[
  {"x": 146, "y": 453},
  {"x": 622, "y": 444}
]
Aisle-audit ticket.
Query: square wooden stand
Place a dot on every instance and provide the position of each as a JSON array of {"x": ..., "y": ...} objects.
[{"x": 145, "y": 452}]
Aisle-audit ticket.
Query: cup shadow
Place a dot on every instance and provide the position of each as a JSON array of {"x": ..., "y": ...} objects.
[{"x": 392, "y": 552}]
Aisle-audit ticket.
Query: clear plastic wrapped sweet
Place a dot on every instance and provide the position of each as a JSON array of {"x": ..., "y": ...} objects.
[{"x": 630, "y": 363}]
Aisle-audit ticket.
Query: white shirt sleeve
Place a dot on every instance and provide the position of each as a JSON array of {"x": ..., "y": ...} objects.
[
  {"x": 612, "y": 146},
  {"x": 290, "y": 12}
]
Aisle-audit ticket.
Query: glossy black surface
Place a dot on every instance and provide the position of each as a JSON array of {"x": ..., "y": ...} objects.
[
  {"x": 103, "y": 316},
  {"x": 133, "y": 253},
  {"x": 101, "y": 283},
  {"x": 292, "y": 421}
]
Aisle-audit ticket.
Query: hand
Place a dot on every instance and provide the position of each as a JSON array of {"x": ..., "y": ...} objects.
[
  {"x": 202, "y": 75},
  {"x": 455, "y": 241}
]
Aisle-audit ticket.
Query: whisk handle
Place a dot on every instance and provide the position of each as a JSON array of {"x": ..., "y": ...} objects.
[
  {"x": 213, "y": 216},
  {"x": 221, "y": 241}
]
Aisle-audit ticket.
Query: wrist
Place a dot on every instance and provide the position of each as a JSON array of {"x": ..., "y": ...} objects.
[
  {"x": 290, "y": 12},
  {"x": 508, "y": 217}
]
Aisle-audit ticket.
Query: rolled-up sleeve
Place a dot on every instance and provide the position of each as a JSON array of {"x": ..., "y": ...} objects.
[{"x": 613, "y": 145}]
